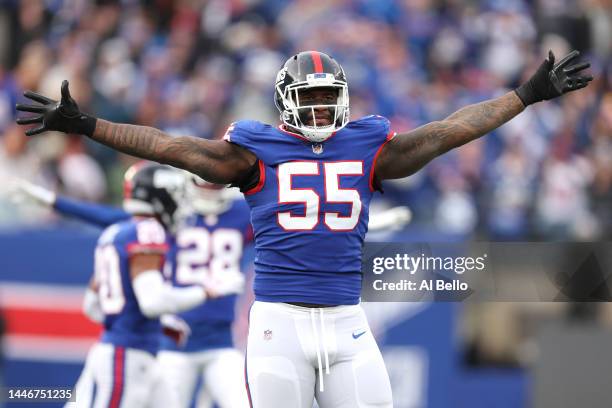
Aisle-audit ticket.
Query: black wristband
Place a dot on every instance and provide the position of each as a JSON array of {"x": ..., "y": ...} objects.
[
  {"x": 526, "y": 94},
  {"x": 84, "y": 125}
]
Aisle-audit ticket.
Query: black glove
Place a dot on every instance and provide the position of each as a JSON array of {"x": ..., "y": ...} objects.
[
  {"x": 552, "y": 80},
  {"x": 63, "y": 116}
]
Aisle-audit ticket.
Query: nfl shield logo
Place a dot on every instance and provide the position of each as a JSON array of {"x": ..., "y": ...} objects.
[
  {"x": 317, "y": 148},
  {"x": 268, "y": 334}
]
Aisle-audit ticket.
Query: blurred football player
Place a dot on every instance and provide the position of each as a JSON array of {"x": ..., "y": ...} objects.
[
  {"x": 206, "y": 248},
  {"x": 209, "y": 246},
  {"x": 86, "y": 382},
  {"x": 127, "y": 294},
  {"x": 309, "y": 183}
]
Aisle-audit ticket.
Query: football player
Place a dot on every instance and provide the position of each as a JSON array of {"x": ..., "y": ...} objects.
[
  {"x": 309, "y": 183},
  {"x": 205, "y": 249},
  {"x": 85, "y": 384},
  {"x": 127, "y": 294},
  {"x": 209, "y": 246},
  {"x": 207, "y": 243},
  {"x": 131, "y": 295}
]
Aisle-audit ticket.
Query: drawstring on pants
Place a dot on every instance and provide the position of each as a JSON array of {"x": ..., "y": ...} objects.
[{"x": 313, "y": 321}]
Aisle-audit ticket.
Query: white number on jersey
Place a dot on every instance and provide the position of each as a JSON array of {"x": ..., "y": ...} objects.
[
  {"x": 150, "y": 232},
  {"x": 108, "y": 277},
  {"x": 311, "y": 200},
  {"x": 203, "y": 255},
  {"x": 289, "y": 195}
]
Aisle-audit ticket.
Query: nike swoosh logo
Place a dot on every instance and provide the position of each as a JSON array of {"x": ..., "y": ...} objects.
[{"x": 358, "y": 335}]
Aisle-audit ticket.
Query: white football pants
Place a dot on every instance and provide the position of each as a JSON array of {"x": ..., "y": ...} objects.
[
  {"x": 222, "y": 371},
  {"x": 119, "y": 377},
  {"x": 296, "y": 354}
]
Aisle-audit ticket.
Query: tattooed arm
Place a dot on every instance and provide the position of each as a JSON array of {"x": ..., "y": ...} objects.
[
  {"x": 214, "y": 160},
  {"x": 408, "y": 152}
]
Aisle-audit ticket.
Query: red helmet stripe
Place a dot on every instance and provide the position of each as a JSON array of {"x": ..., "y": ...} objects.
[
  {"x": 316, "y": 59},
  {"x": 129, "y": 174}
]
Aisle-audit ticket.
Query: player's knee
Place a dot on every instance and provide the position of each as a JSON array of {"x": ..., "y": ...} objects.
[
  {"x": 373, "y": 386},
  {"x": 273, "y": 382},
  {"x": 270, "y": 390}
]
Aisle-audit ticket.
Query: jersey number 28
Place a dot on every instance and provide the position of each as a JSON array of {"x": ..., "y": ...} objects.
[{"x": 203, "y": 253}]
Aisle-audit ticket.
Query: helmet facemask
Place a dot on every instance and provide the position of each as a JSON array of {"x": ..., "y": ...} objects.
[{"x": 295, "y": 115}]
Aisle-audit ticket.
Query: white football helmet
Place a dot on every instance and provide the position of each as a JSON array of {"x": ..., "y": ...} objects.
[{"x": 208, "y": 198}]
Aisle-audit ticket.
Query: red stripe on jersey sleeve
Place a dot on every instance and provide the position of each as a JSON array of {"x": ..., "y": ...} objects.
[
  {"x": 261, "y": 182},
  {"x": 139, "y": 248},
  {"x": 390, "y": 136}
]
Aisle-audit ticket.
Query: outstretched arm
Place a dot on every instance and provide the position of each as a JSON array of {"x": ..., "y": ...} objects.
[
  {"x": 213, "y": 160},
  {"x": 97, "y": 214},
  {"x": 216, "y": 161},
  {"x": 408, "y": 152}
]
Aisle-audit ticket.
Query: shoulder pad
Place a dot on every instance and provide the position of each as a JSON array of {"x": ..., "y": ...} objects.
[
  {"x": 372, "y": 120},
  {"x": 243, "y": 128},
  {"x": 373, "y": 124}
]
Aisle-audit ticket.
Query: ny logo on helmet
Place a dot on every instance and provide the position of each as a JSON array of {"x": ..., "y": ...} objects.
[{"x": 280, "y": 77}]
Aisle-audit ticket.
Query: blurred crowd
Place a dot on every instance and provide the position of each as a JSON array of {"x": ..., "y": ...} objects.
[{"x": 194, "y": 66}]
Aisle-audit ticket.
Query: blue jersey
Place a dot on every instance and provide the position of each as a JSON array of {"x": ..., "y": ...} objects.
[
  {"x": 202, "y": 244},
  {"x": 124, "y": 323},
  {"x": 310, "y": 209},
  {"x": 208, "y": 245}
]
